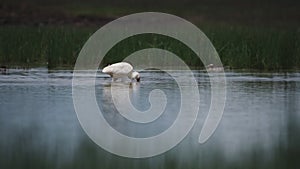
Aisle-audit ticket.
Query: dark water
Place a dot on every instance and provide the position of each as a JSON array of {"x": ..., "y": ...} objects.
[{"x": 260, "y": 127}]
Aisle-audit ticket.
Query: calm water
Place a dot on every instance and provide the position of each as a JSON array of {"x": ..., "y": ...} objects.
[{"x": 260, "y": 127}]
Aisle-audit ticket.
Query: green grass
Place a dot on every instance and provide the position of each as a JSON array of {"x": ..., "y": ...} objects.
[
  {"x": 34, "y": 46},
  {"x": 239, "y": 47},
  {"x": 257, "y": 48}
]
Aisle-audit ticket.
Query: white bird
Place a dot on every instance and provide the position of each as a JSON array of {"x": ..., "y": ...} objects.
[
  {"x": 213, "y": 68},
  {"x": 120, "y": 70}
]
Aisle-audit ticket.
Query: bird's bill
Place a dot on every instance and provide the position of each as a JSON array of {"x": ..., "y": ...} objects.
[{"x": 138, "y": 79}]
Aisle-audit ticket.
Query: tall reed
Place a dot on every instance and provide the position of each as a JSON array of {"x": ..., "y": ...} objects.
[{"x": 238, "y": 47}]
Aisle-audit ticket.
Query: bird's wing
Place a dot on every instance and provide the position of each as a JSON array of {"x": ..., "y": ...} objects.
[{"x": 118, "y": 68}]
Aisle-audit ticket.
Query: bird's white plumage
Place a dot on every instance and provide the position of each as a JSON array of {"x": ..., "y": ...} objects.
[
  {"x": 120, "y": 70},
  {"x": 213, "y": 68}
]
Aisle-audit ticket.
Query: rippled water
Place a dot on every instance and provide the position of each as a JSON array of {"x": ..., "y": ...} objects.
[{"x": 260, "y": 127}]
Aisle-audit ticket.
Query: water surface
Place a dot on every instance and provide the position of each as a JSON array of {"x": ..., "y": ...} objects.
[{"x": 260, "y": 127}]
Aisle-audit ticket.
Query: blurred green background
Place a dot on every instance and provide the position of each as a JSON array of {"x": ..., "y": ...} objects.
[{"x": 263, "y": 35}]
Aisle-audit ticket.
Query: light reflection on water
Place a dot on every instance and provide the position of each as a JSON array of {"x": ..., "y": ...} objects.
[{"x": 259, "y": 129}]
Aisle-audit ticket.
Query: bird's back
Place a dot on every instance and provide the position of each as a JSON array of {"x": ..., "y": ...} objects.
[{"x": 118, "y": 69}]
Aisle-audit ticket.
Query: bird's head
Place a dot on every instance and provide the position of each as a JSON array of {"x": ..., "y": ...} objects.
[{"x": 136, "y": 76}]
